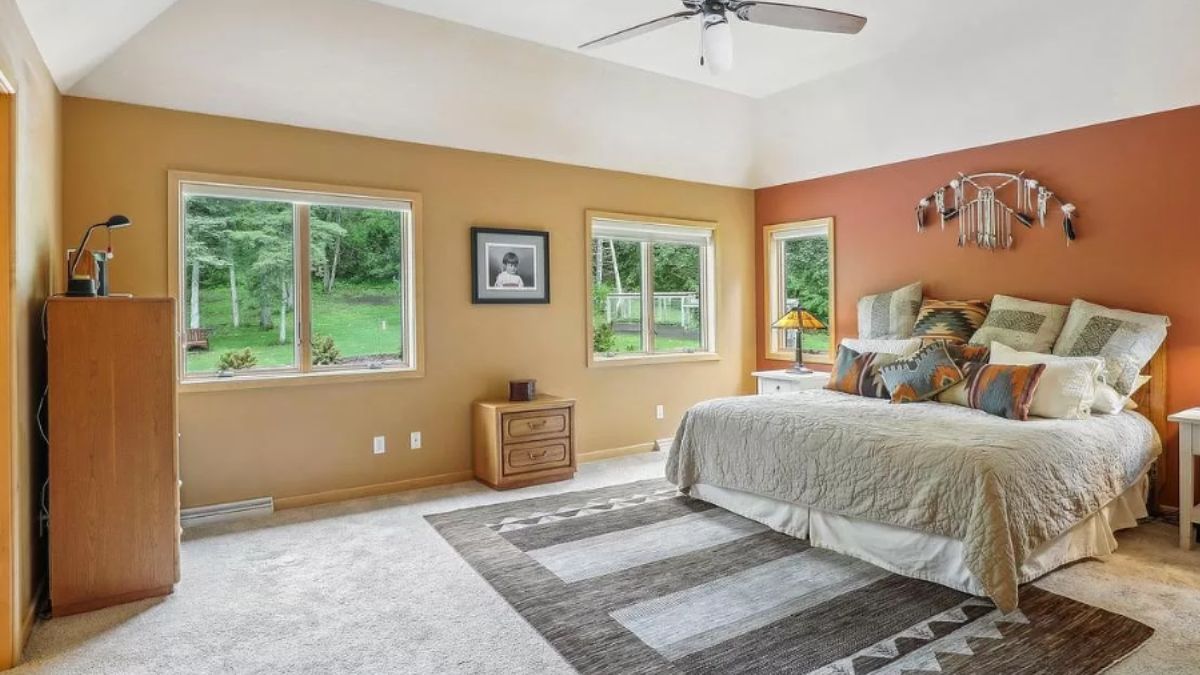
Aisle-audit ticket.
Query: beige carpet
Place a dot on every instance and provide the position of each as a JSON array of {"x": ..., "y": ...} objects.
[{"x": 369, "y": 587}]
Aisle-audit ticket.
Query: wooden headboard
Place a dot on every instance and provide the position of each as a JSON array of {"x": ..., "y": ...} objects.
[
  {"x": 1152, "y": 398},
  {"x": 1152, "y": 402}
]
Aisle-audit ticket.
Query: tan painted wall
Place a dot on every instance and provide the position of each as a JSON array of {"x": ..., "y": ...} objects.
[
  {"x": 35, "y": 234},
  {"x": 300, "y": 440}
]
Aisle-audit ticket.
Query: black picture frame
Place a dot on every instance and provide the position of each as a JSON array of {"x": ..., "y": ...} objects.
[{"x": 486, "y": 288}]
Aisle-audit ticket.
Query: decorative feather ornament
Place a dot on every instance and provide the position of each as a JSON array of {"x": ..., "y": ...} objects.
[{"x": 984, "y": 219}]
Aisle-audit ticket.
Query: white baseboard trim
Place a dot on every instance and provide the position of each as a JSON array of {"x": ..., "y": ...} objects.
[{"x": 228, "y": 511}]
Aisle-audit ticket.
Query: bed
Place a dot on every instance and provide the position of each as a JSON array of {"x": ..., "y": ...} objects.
[{"x": 932, "y": 491}]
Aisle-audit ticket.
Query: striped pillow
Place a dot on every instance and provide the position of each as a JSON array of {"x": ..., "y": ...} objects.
[
  {"x": 953, "y": 321},
  {"x": 1004, "y": 391},
  {"x": 889, "y": 315},
  {"x": 921, "y": 376},
  {"x": 858, "y": 374}
]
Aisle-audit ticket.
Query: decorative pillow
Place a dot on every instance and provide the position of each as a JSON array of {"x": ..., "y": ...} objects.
[
  {"x": 898, "y": 347},
  {"x": 889, "y": 315},
  {"x": 968, "y": 358},
  {"x": 953, "y": 321},
  {"x": 858, "y": 373},
  {"x": 965, "y": 353},
  {"x": 1125, "y": 340},
  {"x": 1004, "y": 391},
  {"x": 1109, "y": 402},
  {"x": 1068, "y": 386},
  {"x": 1131, "y": 404},
  {"x": 1025, "y": 325},
  {"x": 921, "y": 376}
]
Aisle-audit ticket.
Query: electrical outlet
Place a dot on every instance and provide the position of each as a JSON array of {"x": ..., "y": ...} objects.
[
  {"x": 659, "y": 412},
  {"x": 380, "y": 445},
  {"x": 414, "y": 440}
]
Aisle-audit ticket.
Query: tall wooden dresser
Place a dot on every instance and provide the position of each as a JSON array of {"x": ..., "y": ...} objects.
[{"x": 114, "y": 474}]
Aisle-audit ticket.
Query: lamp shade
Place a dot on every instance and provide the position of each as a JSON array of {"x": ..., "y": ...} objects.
[
  {"x": 796, "y": 319},
  {"x": 117, "y": 222}
]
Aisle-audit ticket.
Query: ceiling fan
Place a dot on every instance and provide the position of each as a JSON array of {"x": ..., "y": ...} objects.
[{"x": 716, "y": 37}]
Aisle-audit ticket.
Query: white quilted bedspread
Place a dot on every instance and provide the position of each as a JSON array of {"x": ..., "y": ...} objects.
[{"x": 1000, "y": 486}]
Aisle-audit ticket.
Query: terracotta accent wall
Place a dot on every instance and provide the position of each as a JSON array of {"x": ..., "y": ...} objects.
[
  {"x": 1134, "y": 181},
  {"x": 300, "y": 440},
  {"x": 35, "y": 136}
]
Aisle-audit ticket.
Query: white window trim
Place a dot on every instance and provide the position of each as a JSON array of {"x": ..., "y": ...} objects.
[
  {"x": 180, "y": 183},
  {"x": 774, "y": 237},
  {"x": 647, "y": 230}
]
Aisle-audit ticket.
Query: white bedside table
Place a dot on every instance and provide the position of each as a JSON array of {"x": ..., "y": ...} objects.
[
  {"x": 1189, "y": 449},
  {"x": 782, "y": 381}
]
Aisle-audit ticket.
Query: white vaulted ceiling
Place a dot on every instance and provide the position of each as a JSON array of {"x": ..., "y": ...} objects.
[
  {"x": 924, "y": 76},
  {"x": 75, "y": 36},
  {"x": 768, "y": 59}
]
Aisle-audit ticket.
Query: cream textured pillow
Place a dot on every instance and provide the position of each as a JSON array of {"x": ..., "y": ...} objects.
[
  {"x": 889, "y": 315},
  {"x": 1025, "y": 325},
  {"x": 1068, "y": 386},
  {"x": 1125, "y": 340},
  {"x": 1109, "y": 402},
  {"x": 898, "y": 347}
]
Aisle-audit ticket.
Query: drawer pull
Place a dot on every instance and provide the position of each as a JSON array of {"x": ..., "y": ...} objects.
[
  {"x": 537, "y": 455},
  {"x": 538, "y": 424}
]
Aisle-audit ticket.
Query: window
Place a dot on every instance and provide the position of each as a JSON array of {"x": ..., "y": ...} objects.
[
  {"x": 799, "y": 272},
  {"x": 651, "y": 284},
  {"x": 279, "y": 281}
]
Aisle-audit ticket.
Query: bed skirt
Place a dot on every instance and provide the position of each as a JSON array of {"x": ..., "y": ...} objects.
[{"x": 925, "y": 556}]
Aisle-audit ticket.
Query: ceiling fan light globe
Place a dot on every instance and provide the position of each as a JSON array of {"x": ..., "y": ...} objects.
[{"x": 717, "y": 45}]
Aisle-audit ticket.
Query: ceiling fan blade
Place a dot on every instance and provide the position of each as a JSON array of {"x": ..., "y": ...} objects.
[
  {"x": 641, "y": 29},
  {"x": 793, "y": 16}
]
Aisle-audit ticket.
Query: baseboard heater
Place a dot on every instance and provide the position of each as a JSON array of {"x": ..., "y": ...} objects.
[
  {"x": 663, "y": 444},
  {"x": 227, "y": 511}
]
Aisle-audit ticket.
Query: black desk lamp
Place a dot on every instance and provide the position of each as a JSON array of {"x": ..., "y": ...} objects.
[{"x": 85, "y": 287}]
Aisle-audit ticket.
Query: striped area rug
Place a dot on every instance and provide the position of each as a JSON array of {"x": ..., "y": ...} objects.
[{"x": 639, "y": 579}]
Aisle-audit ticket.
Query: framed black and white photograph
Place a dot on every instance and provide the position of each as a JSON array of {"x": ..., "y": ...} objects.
[{"x": 510, "y": 266}]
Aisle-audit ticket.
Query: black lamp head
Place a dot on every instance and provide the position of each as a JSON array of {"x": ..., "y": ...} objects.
[{"x": 117, "y": 222}]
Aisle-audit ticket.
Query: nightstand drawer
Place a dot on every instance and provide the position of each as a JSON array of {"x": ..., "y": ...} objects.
[
  {"x": 766, "y": 386},
  {"x": 536, "y": 424},
  {"x": 786, "y": 383},
  {"x": 537, "y": 456}
]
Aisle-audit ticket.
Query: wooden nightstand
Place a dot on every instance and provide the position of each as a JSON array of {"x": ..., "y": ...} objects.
[
  {"x": 783, "y": 381},
  {"x": 1189, "y": 449},
  {"x": 524, "y": 443}
]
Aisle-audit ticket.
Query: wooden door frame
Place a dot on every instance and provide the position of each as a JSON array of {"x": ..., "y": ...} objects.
[{"x": 10, "y": 614}]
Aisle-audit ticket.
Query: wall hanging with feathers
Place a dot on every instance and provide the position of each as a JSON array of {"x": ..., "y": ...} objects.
[{"x": 986, "y": 221}]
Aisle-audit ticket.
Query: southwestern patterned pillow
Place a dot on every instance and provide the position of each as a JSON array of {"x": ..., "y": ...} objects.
[
  {"x": 1125, "y": 340},
  {"x": 889, "y": 315},
  {"x": 954, "y": 321},
  {"x": 965, "y": 354},
  {"x": 921, "y": 376},
  {"x": 858, "y": 374},
  {"x": 1024, "y": 325},
  {"x": 968, "y": 358},
  {"x": 1004, "y": 391}
]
